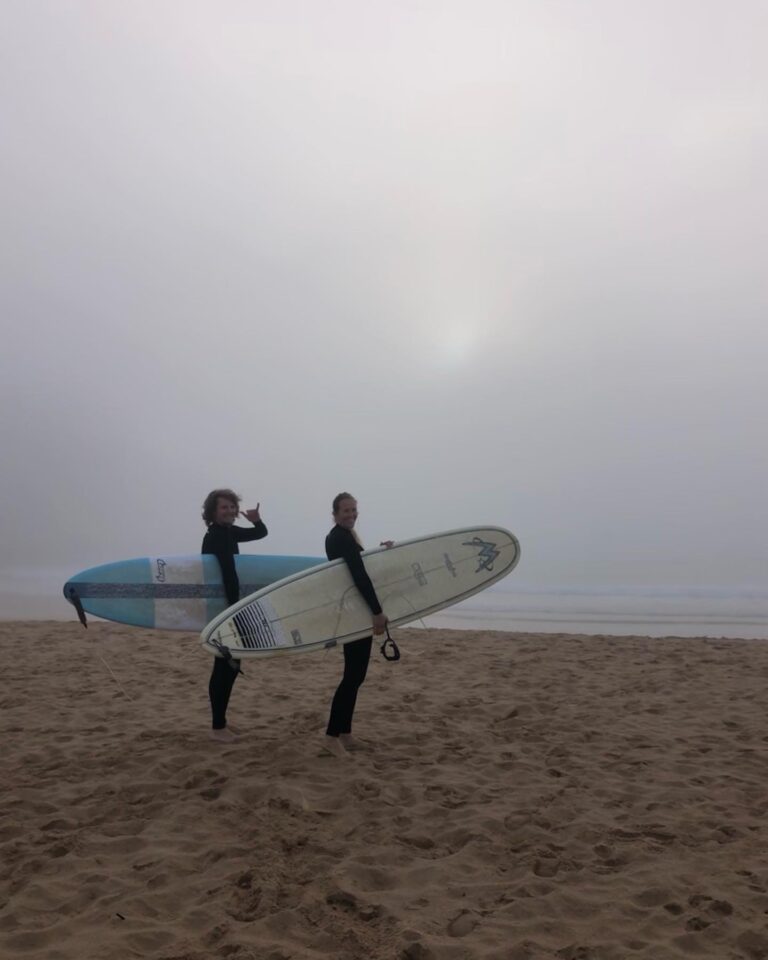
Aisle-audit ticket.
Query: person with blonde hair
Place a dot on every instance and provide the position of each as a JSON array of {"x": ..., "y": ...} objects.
[{"x": 343, "y": 543}]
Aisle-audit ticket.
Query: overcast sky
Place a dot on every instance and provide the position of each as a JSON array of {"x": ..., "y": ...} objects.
[{"x": 474, "y": 261}]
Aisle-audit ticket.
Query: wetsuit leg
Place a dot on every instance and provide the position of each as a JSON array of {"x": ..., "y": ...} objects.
[
  {"x": 356, "y": 657},
  {"x": 219, "y": 688}
]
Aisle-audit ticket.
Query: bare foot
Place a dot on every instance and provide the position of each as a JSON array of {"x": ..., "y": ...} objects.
[
  {"x": 233, "y": 729},
  {"x": 350, "y": 743},
  {"x": 223, "y": 736},
  {"x": 334, "y": 746}
]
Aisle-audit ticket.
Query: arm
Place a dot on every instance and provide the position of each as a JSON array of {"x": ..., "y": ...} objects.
[
  {"x": 348, "y": 550},
  {"x": 257, "y": 532}
]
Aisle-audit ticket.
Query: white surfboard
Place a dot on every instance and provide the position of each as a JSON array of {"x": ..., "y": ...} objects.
[{"x": 322, "y": 607}]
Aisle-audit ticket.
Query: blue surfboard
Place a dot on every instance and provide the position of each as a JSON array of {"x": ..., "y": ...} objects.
[{"x": 173, "y": 593}]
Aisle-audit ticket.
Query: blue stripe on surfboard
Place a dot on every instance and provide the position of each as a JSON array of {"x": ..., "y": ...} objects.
[{"x": 156, "y": 591}]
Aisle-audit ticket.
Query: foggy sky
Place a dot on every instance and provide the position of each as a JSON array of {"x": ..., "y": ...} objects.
[{"x": 474, "y": 262}]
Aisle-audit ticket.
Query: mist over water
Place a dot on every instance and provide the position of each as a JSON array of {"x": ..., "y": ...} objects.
[{"x": 494, "y": 262}]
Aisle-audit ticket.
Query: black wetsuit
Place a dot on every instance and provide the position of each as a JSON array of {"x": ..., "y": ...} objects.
[
  {"x": 222, "y": 541},
  {"x": 341, "y": 544}
]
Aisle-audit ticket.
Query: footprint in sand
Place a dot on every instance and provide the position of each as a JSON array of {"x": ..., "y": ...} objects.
[
  {"x": 674, "y": 908},
  {"x": 546, "y": 867},
  {"x": 419, "y": 841},
  {"x": 202, "y": 776},
  {"x": 721, "y": 907},
  {"x": 415, "y": 951},
  {"x": 246, "y": 906},
  {"x": 656, "y": 897},
  {"x": 464, "y": 924},
  {"x": 349, "y": 902}
]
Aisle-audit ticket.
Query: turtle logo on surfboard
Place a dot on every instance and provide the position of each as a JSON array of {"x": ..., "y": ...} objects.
[{"x": 486, "y": 555}]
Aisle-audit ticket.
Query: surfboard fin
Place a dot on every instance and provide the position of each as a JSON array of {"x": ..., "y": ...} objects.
[
  {"x": 75, "y": 601},
  {"x": 395, "y": 654}
]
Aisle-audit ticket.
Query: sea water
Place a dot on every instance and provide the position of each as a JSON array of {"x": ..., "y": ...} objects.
[{"x": 660, "y": 611}]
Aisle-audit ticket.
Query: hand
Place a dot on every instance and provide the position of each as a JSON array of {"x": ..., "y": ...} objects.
[
  {"x": 387, "y": 543},
  {"x": 380, "y": 620},
  {"x": 253, "y": 515}
]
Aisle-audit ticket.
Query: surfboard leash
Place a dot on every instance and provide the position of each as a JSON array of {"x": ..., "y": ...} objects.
[
  {"x": 395, "y": 653},
  {"x": 227, "y": 655},
  {"x": 112, "y": 674}
]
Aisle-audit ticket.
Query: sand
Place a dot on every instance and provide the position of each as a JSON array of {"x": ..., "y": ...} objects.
[{"x": 515, "y": 797}]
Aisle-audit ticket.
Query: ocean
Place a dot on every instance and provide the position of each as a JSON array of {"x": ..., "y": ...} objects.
[{"x": 617, "y": 611}]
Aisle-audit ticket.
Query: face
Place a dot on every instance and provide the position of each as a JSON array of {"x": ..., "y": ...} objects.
[
  {"x": 346, "y": 515},
  {"x": 226, "y": 512}
]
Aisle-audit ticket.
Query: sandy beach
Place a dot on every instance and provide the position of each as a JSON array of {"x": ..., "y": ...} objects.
[{"x": 515, "y": 797}]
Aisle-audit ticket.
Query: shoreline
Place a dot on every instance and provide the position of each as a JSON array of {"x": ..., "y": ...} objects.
[{"x": 755, "y": 630}]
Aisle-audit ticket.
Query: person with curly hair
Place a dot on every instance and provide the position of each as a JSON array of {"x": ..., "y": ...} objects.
[{"x": 222, "y": 538}]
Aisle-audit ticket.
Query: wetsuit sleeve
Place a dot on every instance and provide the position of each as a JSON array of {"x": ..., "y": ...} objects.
[
  {"x": 343, "y": 545},
  {"x": 243, "y": 534},
  {"x": 217, "y": 542}
]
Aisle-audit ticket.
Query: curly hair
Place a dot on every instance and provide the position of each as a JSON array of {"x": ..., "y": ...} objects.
[{"x": 211, "y": 502}]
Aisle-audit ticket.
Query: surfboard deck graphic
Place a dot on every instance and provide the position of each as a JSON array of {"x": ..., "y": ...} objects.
[
  {"x": 173, "y": 592},
  {"x": 321, "y": 607}
]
